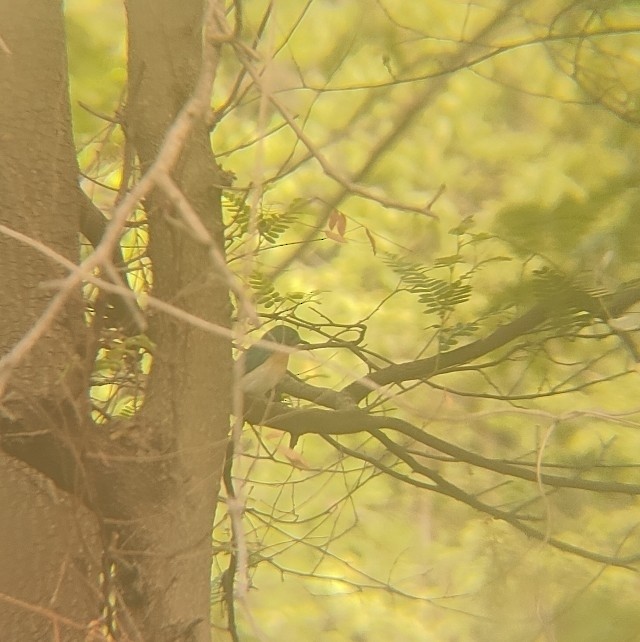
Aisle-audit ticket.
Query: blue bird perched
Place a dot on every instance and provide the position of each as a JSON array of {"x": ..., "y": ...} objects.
[{"x": 265, "y": 368}]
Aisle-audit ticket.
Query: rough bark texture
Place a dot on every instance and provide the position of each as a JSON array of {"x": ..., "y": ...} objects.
[
  {"x": 187, "y": 408},
  {"x": 48, "y": 560},
  {"x": 144, "y": 506},
  {"x": 38, "y": 183}
]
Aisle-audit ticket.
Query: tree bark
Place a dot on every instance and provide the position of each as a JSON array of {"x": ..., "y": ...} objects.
[
  {"x": 140, "y": 511},
  {"x": 187, "y": 408},
  {"x": 49, "y": 560}
]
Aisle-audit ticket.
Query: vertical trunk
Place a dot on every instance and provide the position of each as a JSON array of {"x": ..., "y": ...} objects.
[
  {"x": 48, "y": 557},
  {"x": 38, "y": 183},
  {"x": 154, "y": 505},
  {"x": 187, "y": 406}
]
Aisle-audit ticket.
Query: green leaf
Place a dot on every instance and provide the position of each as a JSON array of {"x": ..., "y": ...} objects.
[{"x": 446, "y": 261}]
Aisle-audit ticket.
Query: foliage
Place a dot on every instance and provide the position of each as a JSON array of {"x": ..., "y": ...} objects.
[{"x": 540, "y": 207}]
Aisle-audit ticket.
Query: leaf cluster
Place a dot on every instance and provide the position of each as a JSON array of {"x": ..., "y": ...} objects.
[
  {"x": 268, "y": 224},
  {"x": 267, "y": 296},
  {"x": 438, "y": 296}
]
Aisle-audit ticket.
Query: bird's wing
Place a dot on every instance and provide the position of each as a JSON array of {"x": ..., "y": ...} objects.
[{"x": 255, "y": 357}]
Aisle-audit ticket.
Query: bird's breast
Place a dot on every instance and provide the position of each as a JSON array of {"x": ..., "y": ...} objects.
[{"x": 267, "y": 375}]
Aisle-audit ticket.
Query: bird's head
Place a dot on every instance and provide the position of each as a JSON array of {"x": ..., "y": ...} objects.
[
  {"x": 284, "y": 335},
  {"x": 265, "y": 367}
]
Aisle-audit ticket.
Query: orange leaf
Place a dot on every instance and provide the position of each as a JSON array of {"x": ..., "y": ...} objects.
[
  {"x": 333, "y": 218},
  {"x": 335, "y": 237},
  {"x": 294, "y": 458},
  {"x": 341, "y": 224}
]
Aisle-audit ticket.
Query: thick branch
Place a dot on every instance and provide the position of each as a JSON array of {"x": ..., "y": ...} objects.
[
  {"x": 602, "y": 307},
  {"x": 106, "y": 475},
  {"x": 344, "y": 422}
]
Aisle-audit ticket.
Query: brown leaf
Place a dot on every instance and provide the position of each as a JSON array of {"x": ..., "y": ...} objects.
[
  {"x": 333, "y": 218},
  {"x": 335, "y": 237},
  {"x": 372, "y": 241},
  {"x": 295, "y": 458},
  {"x": 341, "y": 224}
]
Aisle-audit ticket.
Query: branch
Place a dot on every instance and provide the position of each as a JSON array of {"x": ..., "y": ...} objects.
[
  {"x": 327, "y": 422},
  {"x": 93, "y": 224},
  {"x": 298, "y": 422},
  {"x": 448, "y": 489},
  {"x": 105, "y": 473},
  {"x": 605, "y": 307}
]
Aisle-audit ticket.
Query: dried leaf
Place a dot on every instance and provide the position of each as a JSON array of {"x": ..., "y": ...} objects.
[
  {"x": 341, "y": 224},
  {"x": 295, "y": 458},
  {"x": 333, "y": 218},
  {"x": 372, "y": 241},
  {"x": 335, "y": 237},
  {"x": 338, "y": 221}
]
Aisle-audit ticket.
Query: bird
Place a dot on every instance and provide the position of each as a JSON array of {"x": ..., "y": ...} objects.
[{"x": 264, "y": 368}]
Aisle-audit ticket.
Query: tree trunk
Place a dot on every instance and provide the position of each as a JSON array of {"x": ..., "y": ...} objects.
[
  {"x": 187, "y": 407},
  {"x": 48, "y": 557},
  {"x": 149, "y": 504}
]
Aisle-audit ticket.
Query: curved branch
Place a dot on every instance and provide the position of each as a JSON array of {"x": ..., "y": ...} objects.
[
  {"x": 327, "y": 422},
  {"x": 344, "y": 422},
  {"x": 601, "y": 307},
  {"x": 448, "y": 489}
]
